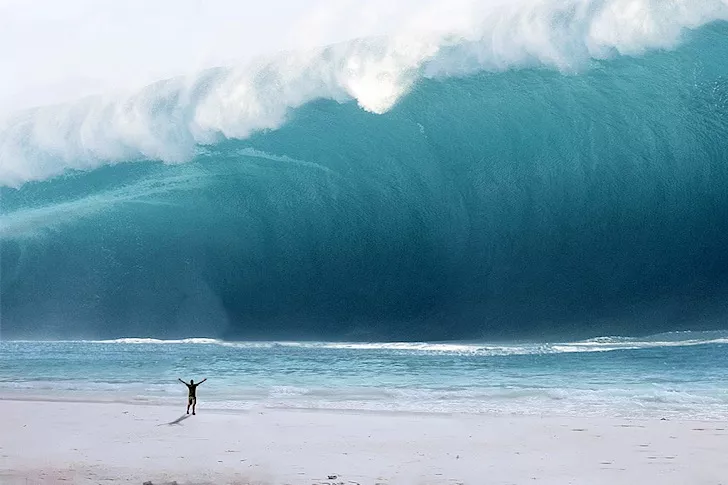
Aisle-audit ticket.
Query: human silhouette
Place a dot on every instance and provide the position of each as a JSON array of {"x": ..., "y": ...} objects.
[{"x": 192, "y": 393}]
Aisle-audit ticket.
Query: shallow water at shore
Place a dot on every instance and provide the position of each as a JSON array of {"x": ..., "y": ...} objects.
[{"x": 666, "y": 375}]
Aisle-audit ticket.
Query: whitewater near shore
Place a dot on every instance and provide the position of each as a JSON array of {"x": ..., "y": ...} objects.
[{"x": 51, "y": 442}]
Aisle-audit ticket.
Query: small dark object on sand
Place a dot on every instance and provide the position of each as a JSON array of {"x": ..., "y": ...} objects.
[{"x": 332, "y": 477}]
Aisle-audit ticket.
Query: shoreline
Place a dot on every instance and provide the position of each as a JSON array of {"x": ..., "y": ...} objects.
[
  {"x": 47, "y": 442},
  {"x": 209, "y": 407}
]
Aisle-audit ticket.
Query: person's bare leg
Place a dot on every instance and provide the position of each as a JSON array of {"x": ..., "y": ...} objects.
[
  {"x": 188, "y": 407},
  {"x": 194, "y": 405}
]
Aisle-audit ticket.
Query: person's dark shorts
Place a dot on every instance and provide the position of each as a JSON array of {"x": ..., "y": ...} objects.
[{"x": 191, "y": 400}]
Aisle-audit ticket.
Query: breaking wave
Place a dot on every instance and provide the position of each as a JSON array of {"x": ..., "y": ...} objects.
[
  {"x": 171, "y": 119},
  {"x": 545, "y": 170}
]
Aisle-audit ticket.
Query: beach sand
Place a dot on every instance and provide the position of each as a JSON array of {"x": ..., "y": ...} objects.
[{"x": 44, "y": 442}]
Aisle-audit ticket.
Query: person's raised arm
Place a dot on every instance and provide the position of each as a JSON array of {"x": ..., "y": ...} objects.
[
  {"x": 183, "y": 382},
  {"x": 203, "y": 380}
]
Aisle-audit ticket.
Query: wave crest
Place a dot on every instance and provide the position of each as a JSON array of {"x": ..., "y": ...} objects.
[{"x": 168, "y": 120}]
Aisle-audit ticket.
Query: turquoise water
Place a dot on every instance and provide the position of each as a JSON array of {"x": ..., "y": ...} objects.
[
  {"x": 676, "y": 374},
  {"x": 515, "y": 203}
]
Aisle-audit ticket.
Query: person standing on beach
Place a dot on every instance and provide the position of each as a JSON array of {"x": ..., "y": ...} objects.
[{"x": 192, "y": 396}]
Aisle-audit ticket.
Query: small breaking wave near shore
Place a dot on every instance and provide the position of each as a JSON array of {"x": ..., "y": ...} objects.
[{"x": 598, "y": 344}]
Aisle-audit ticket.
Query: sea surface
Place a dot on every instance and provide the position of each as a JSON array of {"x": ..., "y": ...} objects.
[
  {"x": 546, "y": 177},
  {"x": 676, "y": 375}
]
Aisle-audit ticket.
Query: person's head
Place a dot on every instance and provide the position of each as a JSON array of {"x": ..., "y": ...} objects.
[{"x": 192, "y": 381}]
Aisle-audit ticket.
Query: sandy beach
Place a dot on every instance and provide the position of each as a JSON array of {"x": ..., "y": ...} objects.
[{"x": 44, "y": 442}]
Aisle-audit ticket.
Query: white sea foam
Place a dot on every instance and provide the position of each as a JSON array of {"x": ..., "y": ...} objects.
[
  {"x": 169, "y": 119},
  {"x": 157, "y": 341},
  {"x": 599, "y": 344}
]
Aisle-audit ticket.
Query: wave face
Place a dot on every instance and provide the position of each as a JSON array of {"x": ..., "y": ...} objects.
[{"x": 488, "y": 197}]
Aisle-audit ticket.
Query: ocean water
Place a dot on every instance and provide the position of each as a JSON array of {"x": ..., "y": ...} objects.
[
  {"x": 553, "y": 170},
  {"x": 677, "y": 375},
  {"x": 548, "y": 172}
]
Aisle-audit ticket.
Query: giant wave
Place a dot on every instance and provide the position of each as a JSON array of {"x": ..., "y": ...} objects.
[{"x": 556, "y": 169}]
